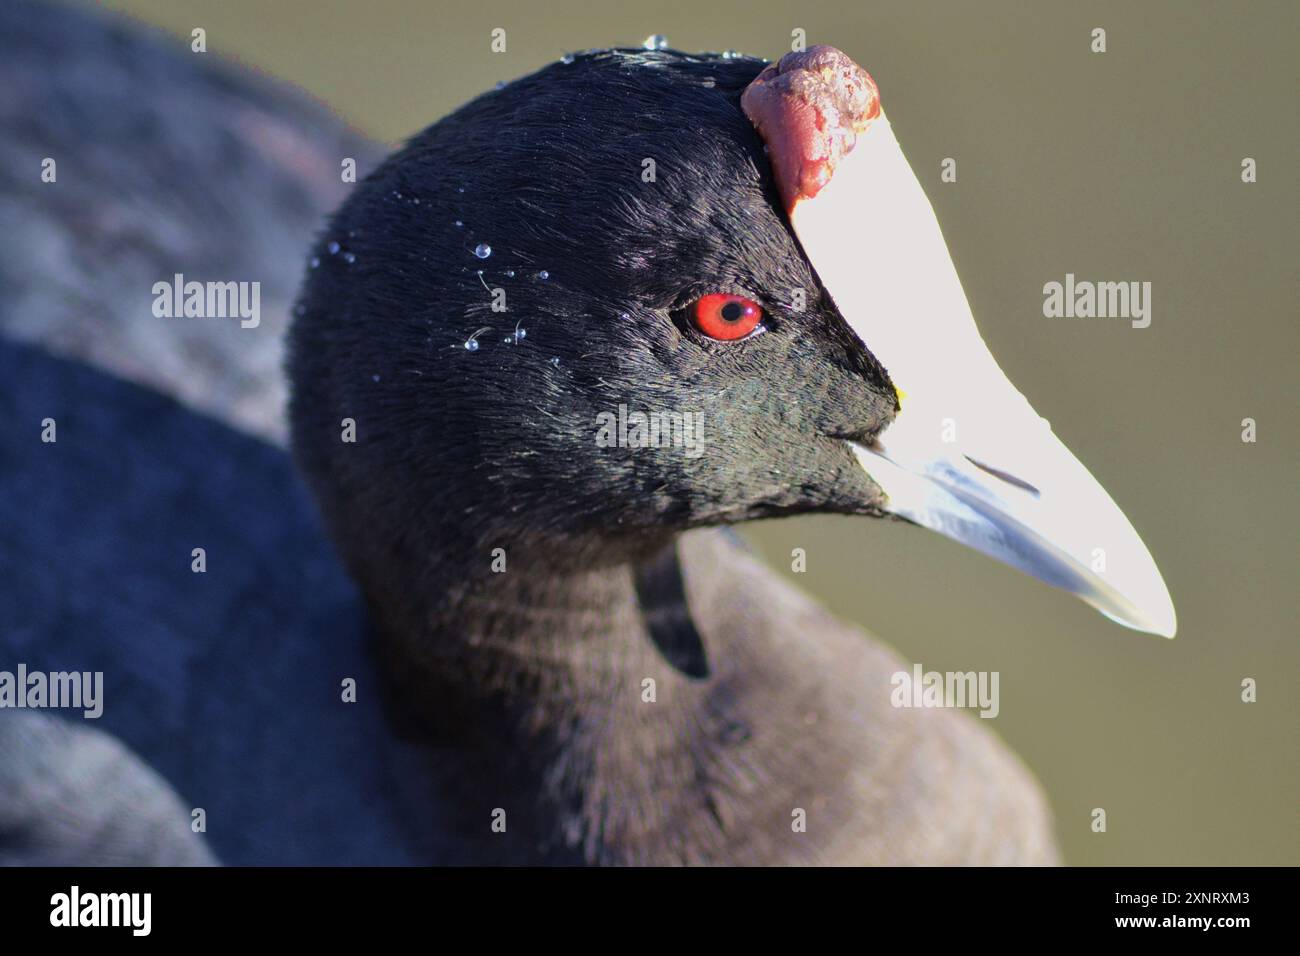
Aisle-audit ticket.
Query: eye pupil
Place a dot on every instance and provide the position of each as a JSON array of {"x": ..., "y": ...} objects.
[{"x": 732, "y": 311}]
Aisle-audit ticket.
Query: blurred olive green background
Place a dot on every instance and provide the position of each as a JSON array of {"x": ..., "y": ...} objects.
[{"x": 1117, "y": 166}]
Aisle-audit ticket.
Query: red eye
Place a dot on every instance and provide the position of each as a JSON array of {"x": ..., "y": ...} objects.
[{"x": 726, "y": 317}]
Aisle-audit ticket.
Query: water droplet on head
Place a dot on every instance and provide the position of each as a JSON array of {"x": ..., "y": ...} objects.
[
  {"x": 315, "y": 261},
  {"x": 510, "y": 273},
  {"x": 471, "y": 345},
  {"x": 333, "y": 247},
  {"x": 710, "y": 82},
  {"x": 730, "y": 55},
  {"x": 521, "y": 334},
  {"x": 555, "y": 361},
  {"x": 416, "y": 201},
  {"x": 624, "y": 316},
  {"x": 567, "y": 59},
  {"x": 655, "y": 41},
  {"x": 460, "y": 189},
  {"x": 482, "y": 250},
  {"x": 543, "y": 275},
  {"x": 459, "y": 224},
  {"x": 374, "y": 378},
  {"x": 349, "y": 257}
]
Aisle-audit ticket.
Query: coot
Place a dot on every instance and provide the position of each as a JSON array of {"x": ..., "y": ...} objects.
[{"x": 550, "y": 652}]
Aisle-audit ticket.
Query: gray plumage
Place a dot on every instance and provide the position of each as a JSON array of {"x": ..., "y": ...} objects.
[
  {"x": 71, "y": 795},
  {"x": 167, "y": 163}
]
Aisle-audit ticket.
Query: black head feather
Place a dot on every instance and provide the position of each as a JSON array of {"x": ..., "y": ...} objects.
[{"x": 459, "y": 450}]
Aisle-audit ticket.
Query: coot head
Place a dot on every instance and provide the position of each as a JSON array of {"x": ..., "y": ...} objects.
[
  {"x": 488, "y": 422},
  {"x": 619, "y": 234}
]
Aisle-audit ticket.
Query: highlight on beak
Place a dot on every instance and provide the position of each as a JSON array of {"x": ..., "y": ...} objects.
[{"x": 967, "y": 455}]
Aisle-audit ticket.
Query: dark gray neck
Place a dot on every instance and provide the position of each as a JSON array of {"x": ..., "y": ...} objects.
[
  {"x": 529, "y": 625},
  {"x": 546, "y": 670},
  {"x": 528, "y": 693}
]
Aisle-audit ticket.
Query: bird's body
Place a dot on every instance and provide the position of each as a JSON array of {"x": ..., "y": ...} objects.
[
  {"x": 74, "y": 795},
  {"x": 230, "y": 682},
  {"x": 165, "y": 163},
  {"x": 504, "y": 643}
]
